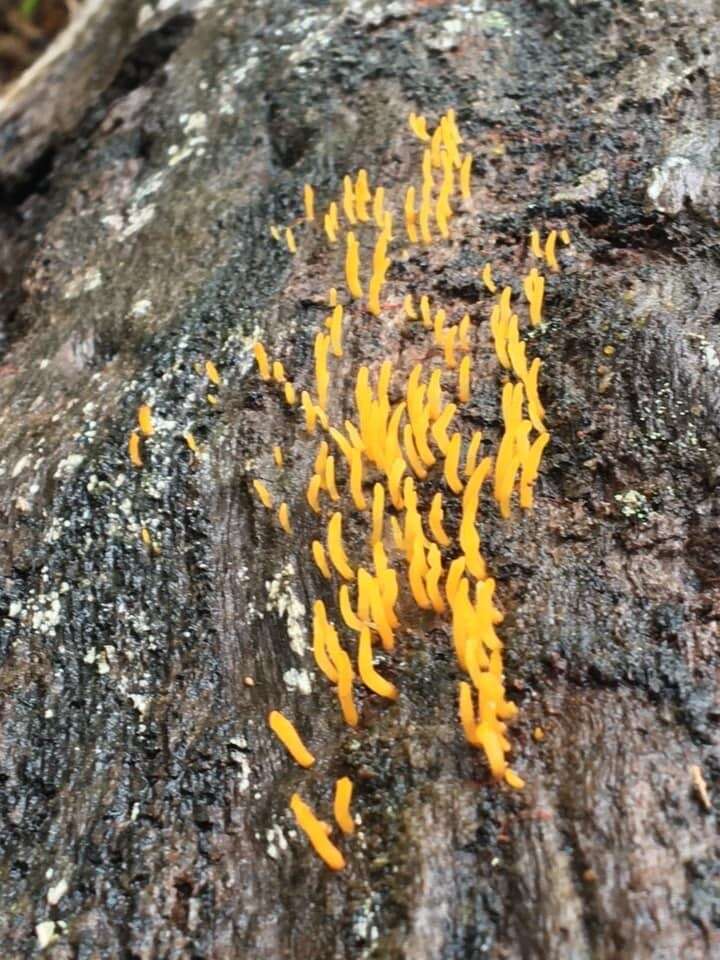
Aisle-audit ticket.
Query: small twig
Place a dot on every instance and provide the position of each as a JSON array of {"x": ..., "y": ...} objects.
[{"x": 700, "y": 786}]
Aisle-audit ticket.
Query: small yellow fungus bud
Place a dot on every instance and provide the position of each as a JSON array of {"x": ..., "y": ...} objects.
[
  {"x": 534, "y": 288},
  {"x": 565, "y": 237},
  {"x": 341, "y": 806},
  {"x": 408, "y": 307},
  {"x": 348, "y": 200},
  {"x": 336, "y": 328},
  {"x": 369, "y": 676},
  {"x": 134, "y": 449},
  {"x": 530, "y": 468},
  {"x": 330, "y": 478},
  {"x": 275, "y": 233},
  {"x": 356, "y": 474},
  {"x": 550, "y": 257},
  {"x": 290, "y": 739},
  {"x": 278, "y": 372},
  {"x": 452, "y": 463},
  {"x": 146, "y": 538},
  {"x": 352, "y": 266},
  {"x": 309, "y": 202},
  {"x": 378, "y": 513},
  {"x": 212, "y": 372},
  {"x": 538, "y": 734},
  {"x": 465, "y": 169},
  {"x": 320, "y": 558},
  {"x": 332, "y": 297},
  {"x": 362, "y": 196},
  {"x": 278, "y": 456},
  {"x": 144, "y": 418},
  {"x": 335, "y": 547},
  {"x": 315, "y": 832},
  {"x": 284, "y": 517},
  {"x": 290, "y": 240},
  {"x": 535, "y": 244},
  {"x": 464, "y": 379},
  {"x": 487, "y": 278},
  {"x": 411, "y": 215},
  {"x": 472, "y": 453},
  {"x": 346, "y": 611},
  {"x": 263, "y": 493},
  {"x": 313, "y": 492},
  {"x": 435, "y": 521},
  {"x": 513, "y": 780},
  {"x": 379, "y": 207},
  {"x": 425, "y": 311},
  {"x": 309, "y": 411},
  {"x": 212, "y": 400},
  {"x": 418, "y": 126},
  {"x": 190, "y": 441},
  {"x": 329, "y": 228},
  {"x": 289, "y": 393}
]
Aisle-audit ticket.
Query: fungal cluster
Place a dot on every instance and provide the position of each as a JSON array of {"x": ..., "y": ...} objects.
[{"x": 402, "y": 456}]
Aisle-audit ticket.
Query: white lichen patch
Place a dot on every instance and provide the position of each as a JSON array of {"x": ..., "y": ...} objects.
[
  {"x": 68, "y": 466},
  {"x": 141, "y": 702},
  {"x": 57, "y": 892},
  {"x": 298, "y": 680},
  {"x": 282, "y": 598},
  {"x": 137, "y": 219},
  {"x": 276, "y": 842},
  {"x": 45, "y": 612},
  {"x": 633, "y": 504},
  {"x": 141, "y": 308},
  {"x": 46, "y": 933},
  {"x": 84, "y": 283}
]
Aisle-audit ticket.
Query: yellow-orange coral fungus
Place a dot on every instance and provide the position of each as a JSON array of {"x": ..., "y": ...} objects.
[
  {"x": 320, "y": 558},
  {"x": 379, "y": 615},
  {"x": 530, "y": 468},
  {"x": 498, "y": 330},
  {"x": 369, "y": 676},
  {"x": 348, "y": 200},
  {"x": 329, "y": 478},
  {"x": 309, "y": 202},
  {"x": 487, "y": 278},
  {"x": 335, "y": 547},
  {"x": 411, "y": 215},
  {"x": 313, "y": 492},
  {"x": 290, "y": 240},
  {"x": 261, "y": 359},
  {"x": 411, "y": 453},
  {"x": 434, "y": 394},
  {"x": 289, "y": 394},
  {"x": 535, "y": 244},
  {"x": 418, "y": 126},
  {"x": 320, "y": 649},
  {"x": 314, "y": 829},
  {"x": 378, "y": 513},
  {"x": 506, "y": 468},
  {"x": 432, "y": 579},
  {"x": 394, "y": 481},
  {"x": 362, "y": 196},
  {"x": 212, "y": 399},
  {"x": 565, "y": 237},
  {"x": 321, "y": 459},
  {"x": 472, "y": 453},
  {"x": 455, "y": 575},
  {"x": 550, "y": 257},
  {"x": 284, "y": 517},
  {"x": 443, "y": 211},
  {"x": 397, "y": 533},
  {"x": 330, "y": 228},
  {"x": 439, "y": 428},
  {"x": 534, "y": 289},
  {"x": 263, "y": 493},
  {"x": 416, "y": 575},
  {"x": 452, "y": 464},
  {"x": 336, "y": 327},
  {"x": 425, "y": 315},
  {"x": 408, "y": 307},
  {"x": 513, "y": 780},
  {"x": 464, "y": 379},
  {"x": 343, "y": 443},
  {"x": 275, "y": 233},
  {"x": 449, "y": 338},
  {"x": 352, "y": 265},
  {"x": 364, "y": 579},
  {"x": 435, "y": 521},
  {"x": 309, "y": 410},
  {"x": 379, "y": 207},
  {"x": 290, "y": 738},
  {"x": 535, "y": 407},
  {"x": 354, "y": 436},
  {"x": 356, "y": 476},
  {"x": 380, "y": 559},
  {"x": 424, "y": 216},
  {"x": 346, "y": 611},
  {"x": 144, "y": 418},
  {"x": 278, "y": 372},
  {"x": 332, "y": 297},
  {"x": 134, "y": 449},
  {"x": 341, "y": 805},
  {"x": 467, "y": 714},
  {"x": 465, "y": 169}
]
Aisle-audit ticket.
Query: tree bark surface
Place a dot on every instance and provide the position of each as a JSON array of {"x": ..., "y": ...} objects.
[{"x": 143, "y": 799}]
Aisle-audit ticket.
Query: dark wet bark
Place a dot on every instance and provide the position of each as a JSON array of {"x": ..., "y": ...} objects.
[{"x": 135, "y": 763}]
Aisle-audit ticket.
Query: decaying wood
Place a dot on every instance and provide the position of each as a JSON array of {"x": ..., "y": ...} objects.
[{"x": 143, "y": 801}]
